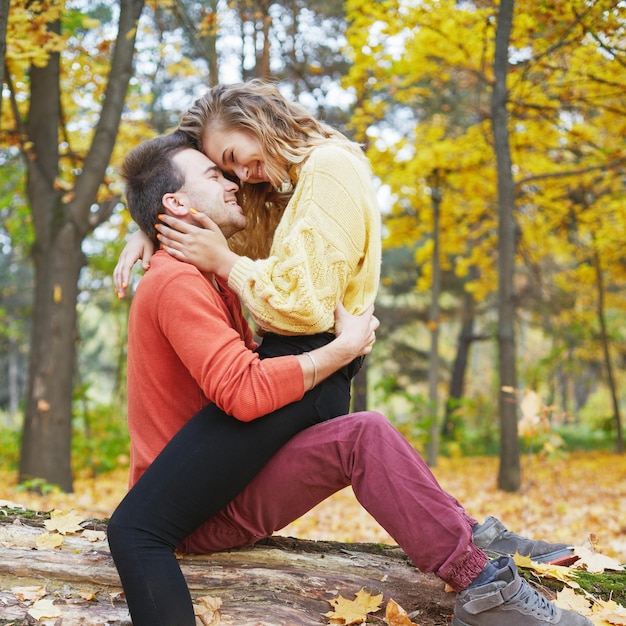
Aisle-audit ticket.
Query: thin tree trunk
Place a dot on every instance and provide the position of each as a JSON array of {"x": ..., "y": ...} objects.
[
  {"x": 4, "y": 20},
  {"x": 619, "y": 442},
  {"x": 359, "y": 388},
  {"x": 457, "y": 379},
  {"x": 509, "y": 475},
  {"x": 432, "y": 449}
]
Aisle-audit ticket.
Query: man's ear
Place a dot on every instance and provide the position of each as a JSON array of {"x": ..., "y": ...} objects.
[{"x": 174, "y": 205}]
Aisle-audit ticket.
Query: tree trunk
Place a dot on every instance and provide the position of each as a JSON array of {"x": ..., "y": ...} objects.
[
  {"x": 359, "y": 389},
  {"x": 277, "y": 582},
  {"x": 619, "y": 440},
  {"x": 61, "y": 221},
  {"x": 457, "y": 379},
  {"x": 509, "y": 474},
  {"x": 432, "y": 449},
  {"x": 47, "y": 432},
  {"x": 4, "y": 19}
]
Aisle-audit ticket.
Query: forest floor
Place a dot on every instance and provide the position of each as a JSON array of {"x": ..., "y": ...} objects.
[{"x": 578, "y": 498}]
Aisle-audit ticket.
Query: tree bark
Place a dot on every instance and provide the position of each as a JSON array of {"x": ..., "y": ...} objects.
[
  {"x": 277, "y": 582},
  {"x": 457, "y": 378},
  {"x": 4, "y": 19},
  {"x": 619, "y": 440},
  {"x": 432, "y": 448},
  {"x": 509, "y": 473},
  {"x": 62, "y": 219}
]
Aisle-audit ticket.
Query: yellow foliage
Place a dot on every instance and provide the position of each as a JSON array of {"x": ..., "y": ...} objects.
[{"x": 432, "y": 61}]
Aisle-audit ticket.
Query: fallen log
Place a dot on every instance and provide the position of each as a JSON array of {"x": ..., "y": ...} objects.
[{"x": 279, "y": 582}]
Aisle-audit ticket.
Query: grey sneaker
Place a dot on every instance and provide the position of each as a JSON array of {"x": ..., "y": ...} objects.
[
  {"x": 493, "y": 538},
  {"x": 510, "y": 600}
]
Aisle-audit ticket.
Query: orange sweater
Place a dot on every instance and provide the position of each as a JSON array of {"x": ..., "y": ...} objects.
[{"x": 189, "y": 344}]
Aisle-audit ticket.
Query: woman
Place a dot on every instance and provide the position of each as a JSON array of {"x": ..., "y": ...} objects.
[{"x": 307, "y": 192}]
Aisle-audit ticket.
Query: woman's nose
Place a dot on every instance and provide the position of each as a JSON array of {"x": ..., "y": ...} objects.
[{"x": 242, "y": 173}]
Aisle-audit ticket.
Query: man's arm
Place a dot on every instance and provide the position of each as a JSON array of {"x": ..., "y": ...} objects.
[{"x": 200, "y": 325}]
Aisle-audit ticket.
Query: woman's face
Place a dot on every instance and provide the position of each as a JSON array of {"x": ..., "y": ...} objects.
[{"x": 237, "y": 152}]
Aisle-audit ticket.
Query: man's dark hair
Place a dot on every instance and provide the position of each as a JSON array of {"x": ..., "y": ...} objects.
[{"x": 150, "y": 173}]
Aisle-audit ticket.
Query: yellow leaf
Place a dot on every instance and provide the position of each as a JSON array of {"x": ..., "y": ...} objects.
[
  {"x": 207, "y": 609},
  {"x": 64, "y": 523},
  {"x": 87, "y": 595},
  {"x": 558, "y": 572},
  {"x": 48, "y": 541},
  {"x": 354, "y": 611},
  {"x": 395, "y": 615},
  {"x": 44, "y": 608}
]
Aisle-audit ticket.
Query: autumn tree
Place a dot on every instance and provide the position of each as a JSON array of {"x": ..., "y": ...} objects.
[
  {"x": 67, "y": 201},
  {"x": 422, "y": 78}
]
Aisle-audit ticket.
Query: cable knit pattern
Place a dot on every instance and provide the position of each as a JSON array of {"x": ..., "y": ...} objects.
[{"x": 327, "y": 247}]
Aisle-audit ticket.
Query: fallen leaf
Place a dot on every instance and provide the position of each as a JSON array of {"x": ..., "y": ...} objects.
[
  {"x": 207, "y": 609},
  {"x": 609, "y": 612},
  {"x": 94, "y": 535},
  {"x": 10, "y": 505},
  {"x": 29, "y": 594},
  {"x": 87, "y": 595},
  {"x": 353, "y": 611},
  {"x": 395, "y": 615},
  {"x": 64, "y": 523},
  {"x": 48, "y": 541},
  {"x": 594, "y": 561},
  {"x": 44, "y": 608},
  {"x": 569, "y": 599},
  {"x": 558, "y": 572}
]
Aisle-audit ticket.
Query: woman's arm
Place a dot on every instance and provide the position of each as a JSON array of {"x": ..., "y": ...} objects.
[{"x": 138, "y": 248}]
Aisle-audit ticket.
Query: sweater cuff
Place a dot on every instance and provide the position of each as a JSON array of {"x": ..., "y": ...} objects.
[{"x": 240, "y": 273}]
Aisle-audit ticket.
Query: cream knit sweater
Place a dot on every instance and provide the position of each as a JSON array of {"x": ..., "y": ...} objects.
[{"x": 327, "y": 248}]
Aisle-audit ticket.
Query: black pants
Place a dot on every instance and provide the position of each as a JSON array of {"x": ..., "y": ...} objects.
[{"x": 205, "y": 465}]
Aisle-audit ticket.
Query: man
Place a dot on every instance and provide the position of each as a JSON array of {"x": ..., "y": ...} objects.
[{"x": 191, "y": 471}]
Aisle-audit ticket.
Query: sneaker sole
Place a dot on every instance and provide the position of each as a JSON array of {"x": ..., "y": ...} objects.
[
  {"x": 564, "y": 557},
  {"x": 564, "y": 561}
]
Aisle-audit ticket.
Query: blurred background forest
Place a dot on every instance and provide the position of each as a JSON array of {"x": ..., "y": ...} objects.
[{"x": 503, "y": 271}]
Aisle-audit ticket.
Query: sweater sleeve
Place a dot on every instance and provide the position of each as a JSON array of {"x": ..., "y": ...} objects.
[
  {"x": 326, "y": 249},
  {"x": 209, "y": 338}
]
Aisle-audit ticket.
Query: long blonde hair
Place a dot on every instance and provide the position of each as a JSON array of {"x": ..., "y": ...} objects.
[{"x": 287, "y": 133}]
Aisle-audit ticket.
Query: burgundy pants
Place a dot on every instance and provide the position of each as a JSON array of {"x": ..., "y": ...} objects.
[{"x": 389, "y": 478}]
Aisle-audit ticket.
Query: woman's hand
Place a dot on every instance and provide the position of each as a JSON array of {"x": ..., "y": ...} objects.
[
  {"x": 357, "y": 331},
  {"x": 138, "y": 247},
  {"x": 205, "y": 246}
]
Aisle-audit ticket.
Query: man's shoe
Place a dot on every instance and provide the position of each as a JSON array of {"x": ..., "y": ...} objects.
[
  {"x": 509, "y": 599},
  {"x": 493, "y": 538}
]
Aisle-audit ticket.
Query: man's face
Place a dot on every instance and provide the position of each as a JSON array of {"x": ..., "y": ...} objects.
[{"x": 208, "y": 191}]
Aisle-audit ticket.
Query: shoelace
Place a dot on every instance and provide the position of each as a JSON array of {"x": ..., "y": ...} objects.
[{"x": 534, "y": 601}]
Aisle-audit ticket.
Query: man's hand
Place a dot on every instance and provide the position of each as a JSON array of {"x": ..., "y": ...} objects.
[
  {"x": 357, "y": 331},
  {"x": 138, "y": 248},
  {"x": 203, "y": 246}
]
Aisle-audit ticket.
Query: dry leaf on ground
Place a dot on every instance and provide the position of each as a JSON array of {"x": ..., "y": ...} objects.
[
  {"x": 395, "y": 615},
  {"x": 353, "y": 611}
]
